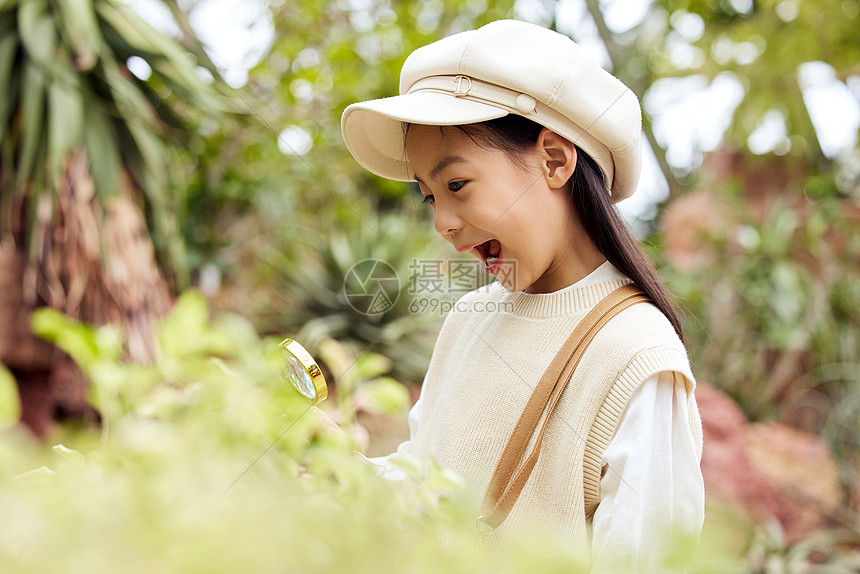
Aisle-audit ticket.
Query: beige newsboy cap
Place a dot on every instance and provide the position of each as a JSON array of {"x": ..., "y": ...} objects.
[{"x": 505, "y": 67}]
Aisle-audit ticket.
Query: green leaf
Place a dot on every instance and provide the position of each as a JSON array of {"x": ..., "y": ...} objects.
[
  {"x": 32, "y": 133},
  {"x": 76, "y": 339},
  {"x": 136, "y": 112},
  {"x": 152, "y": 153},
  {"x": 8, "y": 49},
  {"x": 383, "y": 395},
  {"x": 102, "y": 150},
  {"x": 37, "y": 30},
  {"x": 65, "y": 121},
  {"x": 37, "y": 189},
  {"x": 372, "y": 365},
  {"x": 69, "y": 454},
  {"x": 78, "y": 21},
  {"x": 41, "y": 475},
  {"x": 183, "y": 331},
  {"x": 183, "y": 78},
  {"x": 132, "y": 30},
  {"x": 168, "y": 59},
  {"x": 10, "y": 404}
]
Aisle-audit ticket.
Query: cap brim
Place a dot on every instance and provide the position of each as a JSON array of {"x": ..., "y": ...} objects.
[{"x": 373, "y": 131}]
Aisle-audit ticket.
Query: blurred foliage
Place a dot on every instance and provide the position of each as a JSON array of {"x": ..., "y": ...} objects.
[
  {"x": 66, "y": 87},
  {"x": 763, "y": 548},
  {"x": 311, "y": 270},
  {"x": 773, "y": 292},
  {"x": 208, "y": 460},
  {"x": 176, "y": 478},
  {"x": 324, "y": 56},
  {"x": 822, "y": 553},
  {"x": 163, "y": 486},
  {"x": 360, "y": 383},
  {"x": 772, "y": 314},
  {"x": 198, "y": 351},
  {"x": 762, "y": 43},
  {"x": 10, "y": 405},
  {"x": 775, "y": 297}
]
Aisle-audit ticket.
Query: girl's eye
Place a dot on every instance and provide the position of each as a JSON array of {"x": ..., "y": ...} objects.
[
  {"x": 456, "y": 185},
  {"x": 429, "y": 199}
]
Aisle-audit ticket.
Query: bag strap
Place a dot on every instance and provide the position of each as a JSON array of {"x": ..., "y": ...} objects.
[{"x": 505, "y": 486}]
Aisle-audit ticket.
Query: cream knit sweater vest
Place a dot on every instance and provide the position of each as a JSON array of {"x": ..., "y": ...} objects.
[{"x": 492, "y": 349}]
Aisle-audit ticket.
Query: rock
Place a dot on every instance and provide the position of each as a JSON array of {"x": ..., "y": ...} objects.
[
  {"x": 729, "y": 475},
  {"x": 799, "y": 466},
  {"x": 767, "y": 469}
]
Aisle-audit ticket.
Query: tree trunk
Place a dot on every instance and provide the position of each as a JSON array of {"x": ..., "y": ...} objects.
[{"x": 95, "y": 267}]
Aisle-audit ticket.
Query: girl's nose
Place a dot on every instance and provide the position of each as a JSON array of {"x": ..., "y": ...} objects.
[{"x": 445, "y": 220}]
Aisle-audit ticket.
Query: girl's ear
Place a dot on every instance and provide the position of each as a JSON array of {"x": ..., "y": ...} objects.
[{"x": 557, "y": 157}]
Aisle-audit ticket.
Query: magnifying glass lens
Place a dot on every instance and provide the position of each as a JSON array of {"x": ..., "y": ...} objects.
[
  {"x": 302, "y": 371},
  {"x": 297, "y": 375}
]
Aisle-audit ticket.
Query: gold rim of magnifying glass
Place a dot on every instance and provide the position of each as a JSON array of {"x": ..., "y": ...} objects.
[{"x": 309, "y": 365}]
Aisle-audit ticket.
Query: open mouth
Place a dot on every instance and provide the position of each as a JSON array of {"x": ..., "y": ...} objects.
[{"x": 489, "y": 251}]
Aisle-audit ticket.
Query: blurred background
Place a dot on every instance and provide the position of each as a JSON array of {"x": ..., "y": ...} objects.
[{"x": 156, "y": 148}]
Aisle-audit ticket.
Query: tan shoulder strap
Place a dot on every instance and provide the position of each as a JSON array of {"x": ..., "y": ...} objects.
[{"x": 505, "y": 485}]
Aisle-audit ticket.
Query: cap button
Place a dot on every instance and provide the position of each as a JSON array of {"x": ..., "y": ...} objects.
[{"x": 525, "y": 103}]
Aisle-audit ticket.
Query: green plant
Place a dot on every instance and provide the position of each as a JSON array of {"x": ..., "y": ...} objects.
[
  {"x": 774, "y": 326},
  {"x": 772, "y": 301},
  {"x": 89, "y": 168},
  {"x": 312, "y": 271},
  {"x": 207, "y": 460},
  {"x": 67, "y": 87},
  {"x": 10, "y": 405},
  {"x": 827, "y": 552}
]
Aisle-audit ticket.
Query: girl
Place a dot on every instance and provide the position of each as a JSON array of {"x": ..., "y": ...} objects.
[{"x": 521, "y": 145}]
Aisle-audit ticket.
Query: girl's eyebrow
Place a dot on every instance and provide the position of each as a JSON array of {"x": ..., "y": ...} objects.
[{"x": 443, "y": 163}]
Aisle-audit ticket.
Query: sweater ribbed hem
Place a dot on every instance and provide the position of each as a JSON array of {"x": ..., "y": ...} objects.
[{"x": 641, "y": 368}]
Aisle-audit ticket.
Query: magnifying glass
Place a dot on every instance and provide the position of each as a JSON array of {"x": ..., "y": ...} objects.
[{"x": 302, "y": 371}]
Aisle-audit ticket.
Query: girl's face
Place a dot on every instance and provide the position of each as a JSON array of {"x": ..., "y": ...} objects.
[{"x": 519, "y": 222}]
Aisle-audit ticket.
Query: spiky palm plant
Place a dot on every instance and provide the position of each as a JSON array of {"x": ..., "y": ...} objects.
[
  {"x": 87, "y": 184},
  {"x": 322, "y": 273}
]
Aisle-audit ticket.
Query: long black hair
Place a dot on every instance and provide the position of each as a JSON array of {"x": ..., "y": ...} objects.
[{"x": 591, "y": 198}]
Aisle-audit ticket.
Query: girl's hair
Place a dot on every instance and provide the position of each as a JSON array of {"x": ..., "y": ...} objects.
[{"x": 516, "y": 135}]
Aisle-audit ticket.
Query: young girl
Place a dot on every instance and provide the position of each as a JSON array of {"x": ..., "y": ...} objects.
[{"x": 520, "y": 145}]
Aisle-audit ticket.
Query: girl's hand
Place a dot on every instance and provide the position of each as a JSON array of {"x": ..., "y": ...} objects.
[{"x": 324, "y": 422}]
